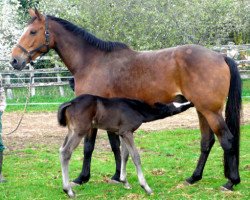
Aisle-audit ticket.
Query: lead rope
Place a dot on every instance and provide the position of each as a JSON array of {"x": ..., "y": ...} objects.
[{"x": 25, "y": 107}]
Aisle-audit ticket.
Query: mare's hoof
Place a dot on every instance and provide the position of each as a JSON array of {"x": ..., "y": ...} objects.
[
  {"x": 81, "y": 179},
  {"x": 116, "y": 178},
  {"x": 228, "y": 186},
  {"x": 186, "y": 183},
  {"x": 192, "y": 180},
  {"x": 224, "y": 189}
]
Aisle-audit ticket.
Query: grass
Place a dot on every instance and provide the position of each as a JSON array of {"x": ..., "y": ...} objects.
[
  {"x": 246, "y": 87},
  {"x": 168, "y": 157},
  {"x": 43, "y": 95}
]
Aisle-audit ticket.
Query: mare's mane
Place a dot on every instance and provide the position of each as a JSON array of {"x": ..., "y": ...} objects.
[{"x": 88, "y": 37}]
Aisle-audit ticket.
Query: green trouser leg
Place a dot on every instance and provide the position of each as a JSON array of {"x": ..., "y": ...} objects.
[
  {"x": 2, "y": 147},
  {"x": 1, "y": 163},
  {"x": 2, "y": 180}
]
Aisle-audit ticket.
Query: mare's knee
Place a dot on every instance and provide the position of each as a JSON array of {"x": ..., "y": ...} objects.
[{"x": 207, "y": 145}]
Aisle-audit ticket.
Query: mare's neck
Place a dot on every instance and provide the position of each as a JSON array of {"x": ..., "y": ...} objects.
[{"x": 74, "y": 51}]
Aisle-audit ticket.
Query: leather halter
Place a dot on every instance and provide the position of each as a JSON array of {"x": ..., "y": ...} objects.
[{"x": 47, "y": 35}]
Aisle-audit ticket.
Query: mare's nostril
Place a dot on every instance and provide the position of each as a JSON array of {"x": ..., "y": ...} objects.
[{"x": 14, "y": 62}]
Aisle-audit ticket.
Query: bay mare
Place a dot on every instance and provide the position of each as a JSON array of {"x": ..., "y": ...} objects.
[
  {"x": 112, "y": 69},
  {"x": 119, "y": 115}
]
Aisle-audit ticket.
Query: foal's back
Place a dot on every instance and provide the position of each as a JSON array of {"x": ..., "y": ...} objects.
[
  {"x": 114, "y": 114},
  {"x": 117, "y": 114}
]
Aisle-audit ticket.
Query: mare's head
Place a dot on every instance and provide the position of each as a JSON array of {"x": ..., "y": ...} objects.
[{"x": 34, "y": 41}]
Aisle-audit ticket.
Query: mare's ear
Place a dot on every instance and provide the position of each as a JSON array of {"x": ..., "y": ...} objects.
[{"x": 35, "y": 13}]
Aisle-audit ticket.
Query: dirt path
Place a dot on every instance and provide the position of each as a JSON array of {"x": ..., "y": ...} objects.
[{"x": 42, "y": 128}]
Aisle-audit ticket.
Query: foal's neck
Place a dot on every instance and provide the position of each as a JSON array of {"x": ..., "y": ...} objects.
[{"x": 76, "y": 53}]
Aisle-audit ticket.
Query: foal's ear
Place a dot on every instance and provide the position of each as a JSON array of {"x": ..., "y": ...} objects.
[{"x": 35, "y": 13}]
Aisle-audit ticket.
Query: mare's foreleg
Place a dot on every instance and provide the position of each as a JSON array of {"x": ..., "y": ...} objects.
[
  {"x": 89, "y": 145},
  {"x": 128, "y": 139},
  {"x": 71, "y": 142},
  {"x": 115, "y": 146},
  {"x": 124, "y": 158},
  {"x": 207, "y": 141}
]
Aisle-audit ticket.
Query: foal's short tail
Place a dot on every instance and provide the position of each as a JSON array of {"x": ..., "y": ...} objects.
[
  {"x": 233, "y": 109},
  {"x": 61, "y": 117}
]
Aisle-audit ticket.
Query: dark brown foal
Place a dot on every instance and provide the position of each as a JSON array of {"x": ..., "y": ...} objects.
[{"x": 118, "y": 115}]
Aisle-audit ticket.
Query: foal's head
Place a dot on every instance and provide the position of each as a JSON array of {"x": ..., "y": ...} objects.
[{"x": 34, "y": 41}]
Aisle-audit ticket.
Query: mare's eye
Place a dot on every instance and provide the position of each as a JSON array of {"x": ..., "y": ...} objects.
[{"x": 33, "y": 32}]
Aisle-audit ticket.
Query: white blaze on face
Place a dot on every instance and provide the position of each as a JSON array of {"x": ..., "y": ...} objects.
[
  {"x": 24, "y": 31},
  {"x": 178, "y": 105}
]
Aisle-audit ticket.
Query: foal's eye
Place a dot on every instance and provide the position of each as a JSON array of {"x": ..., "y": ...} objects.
[{"x": 33, "y": 32}]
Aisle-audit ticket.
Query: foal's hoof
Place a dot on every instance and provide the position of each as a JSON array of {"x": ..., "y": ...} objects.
[
  {"x": 73, "y": 184},
  {"x": 127, "y": 186},
  {"x": 70, "y": 193},
  {"x": 150, "y": 192},
  {"x": 113, "y": 181},
  {"x": 147, "y": 189},
  {"x": 3, "y": 180}
]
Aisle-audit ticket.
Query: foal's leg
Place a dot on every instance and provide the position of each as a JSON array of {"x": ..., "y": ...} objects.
[
  {"x": 128, "y": 139},
  {"x": 89, "y": 144},
  {"x": 71, "y": 142},
  {"x": 124, "y": 158},
  {"x": 227, "y": 141},
  {"x": 115, "y": 146},
  {"x": 207, "y": 141}
]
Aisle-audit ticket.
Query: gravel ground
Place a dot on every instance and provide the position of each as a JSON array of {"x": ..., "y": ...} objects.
[{"x": 42, "y": 128}]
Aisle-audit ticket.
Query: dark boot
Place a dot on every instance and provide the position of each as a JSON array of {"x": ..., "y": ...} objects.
[{"x": 2, "y": 180}]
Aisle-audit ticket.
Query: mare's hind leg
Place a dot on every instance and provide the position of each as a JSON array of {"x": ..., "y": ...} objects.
[
  {"x": 227, "y": 141},
  {"x": 207, "y": 141},
  {"x": 115, "y": 146},
  {"x": 128, "y": 139},
  {"x": 89, "y": 144},
  {"x": 71, "y": 142}
]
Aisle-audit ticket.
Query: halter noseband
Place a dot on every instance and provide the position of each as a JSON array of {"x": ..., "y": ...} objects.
[{"x": 30, "y": 53}]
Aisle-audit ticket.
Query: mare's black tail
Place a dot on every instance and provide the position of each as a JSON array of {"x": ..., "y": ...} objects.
[
  {"x": 233, "y": 110},
  {"x": 61, "y": 114},
  {"x": 160, "y": 111}
]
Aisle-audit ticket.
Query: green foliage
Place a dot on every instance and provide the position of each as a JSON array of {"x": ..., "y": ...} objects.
[
  {"x": 26, "y": 4},
  {"x": 168, "y": 157},
  {"x": 157, "y": 24}
]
